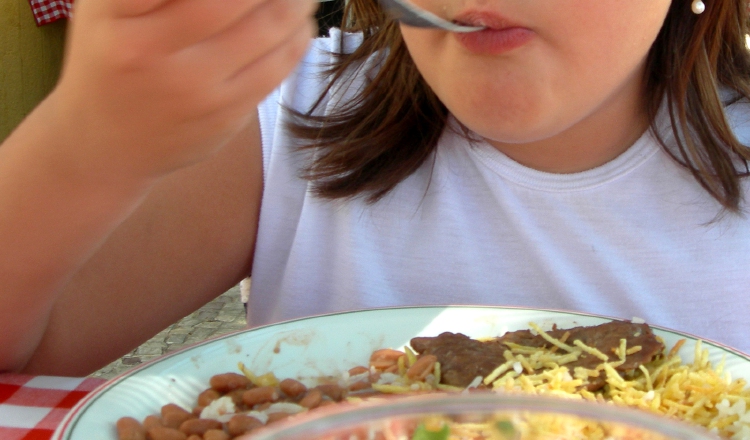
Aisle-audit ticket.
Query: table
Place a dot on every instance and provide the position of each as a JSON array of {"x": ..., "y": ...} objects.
[
  {"x": 31, "y": 407},
  {"x": 49, "y": 11}
]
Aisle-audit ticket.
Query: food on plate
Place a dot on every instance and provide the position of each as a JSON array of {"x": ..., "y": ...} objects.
[
  {"x": 462, "y": 359},
  {"x": 620, "y": 362}
]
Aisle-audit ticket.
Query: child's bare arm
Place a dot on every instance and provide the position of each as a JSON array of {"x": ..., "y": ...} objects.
[
  {"x": 190, "y": 240},
  {"x": 149, "y": 87}
]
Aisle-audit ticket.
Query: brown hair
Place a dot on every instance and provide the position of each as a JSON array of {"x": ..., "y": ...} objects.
[
  {"x": 693, "y": 56},
  {"x": 370, "y": 144}
]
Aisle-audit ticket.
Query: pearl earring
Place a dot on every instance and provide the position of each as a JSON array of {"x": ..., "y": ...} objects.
[{"x": 698, "y": 7}]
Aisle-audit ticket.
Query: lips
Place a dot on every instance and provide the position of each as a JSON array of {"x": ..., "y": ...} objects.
[
  {"x": 499, "y": 36},
  {"x": 484, "y": 18}
]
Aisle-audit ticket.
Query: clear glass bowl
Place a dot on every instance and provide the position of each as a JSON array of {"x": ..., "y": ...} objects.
[{"x": 478, "y": 416}]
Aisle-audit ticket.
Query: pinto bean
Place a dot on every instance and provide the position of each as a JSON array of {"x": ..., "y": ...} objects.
[
  {"x": 129, "y": 428},
  {"x": 206, "y": 397},
  {"x": 173, "y": 415},
  {"x": 152, "y": 421},
  {"x": 258, "y": 395},
  {"x": 241, "y": 423},
  {"x": 194, "y": 437},
  {"x": 163, "y": 433},
  {"x": 335, "y": 392},
  {"x": 359, "y": 370},
  {"x": 275, "y": 417},
  {"x": 292, "y": 388},
  {"x": 386, "y": 353},
  {"x": 199, "y": 426},
  {"x": 422, "y": 367},
  {"x": 227, "y": 382},
  {"x": 384, "y": 358},
  {"x": 236, "y": 396},
  {"x": 262, "y": 406},
  {"x": 360, "y": 385},
  {"x": 391, "y": 369},
  {"x": 312, "y": 399},
  {"x": 216, "y": 434}
]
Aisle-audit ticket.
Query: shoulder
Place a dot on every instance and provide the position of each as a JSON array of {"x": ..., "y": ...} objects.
[
  {"x": 309, "y": 79},
  {"x": 307, "y": 86},
  {"x": 341, "y": 42},
  {"x": 324, "y": 51},
  {"x": 738, "y": 116},
  {"x": 302, "y": 88}
]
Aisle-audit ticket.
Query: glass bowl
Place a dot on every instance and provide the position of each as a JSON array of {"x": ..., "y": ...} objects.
[{"x": 477, "y": 416}]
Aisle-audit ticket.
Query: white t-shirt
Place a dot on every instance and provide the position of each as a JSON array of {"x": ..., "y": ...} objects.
[{"x": 635, "y": 237}]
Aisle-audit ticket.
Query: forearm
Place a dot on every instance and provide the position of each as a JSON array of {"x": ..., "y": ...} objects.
[
  {"x": 55, "y": 210},
  {"x": 148, "y": 89}
]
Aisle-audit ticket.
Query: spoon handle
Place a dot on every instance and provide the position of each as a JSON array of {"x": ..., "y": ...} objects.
[{"x": 411, "y": 15}]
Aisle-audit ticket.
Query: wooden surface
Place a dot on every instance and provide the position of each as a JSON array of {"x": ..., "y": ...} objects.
[{"x": 30, "y": 60}]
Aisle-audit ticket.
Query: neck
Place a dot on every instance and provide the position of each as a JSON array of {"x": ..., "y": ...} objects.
[{"x": 588, "y": 143}]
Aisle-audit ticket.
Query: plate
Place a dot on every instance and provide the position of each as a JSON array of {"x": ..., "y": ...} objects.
[{"x": 326, "y": 345}]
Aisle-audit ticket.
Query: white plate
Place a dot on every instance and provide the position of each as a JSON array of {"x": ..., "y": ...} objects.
[{"x": 318, "y": 346}]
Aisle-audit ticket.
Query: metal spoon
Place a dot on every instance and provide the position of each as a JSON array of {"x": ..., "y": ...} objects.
[{"x": 411, "y": 15}]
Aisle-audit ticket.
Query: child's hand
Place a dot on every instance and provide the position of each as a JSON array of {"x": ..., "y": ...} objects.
[{"x": 150, "y": 86}]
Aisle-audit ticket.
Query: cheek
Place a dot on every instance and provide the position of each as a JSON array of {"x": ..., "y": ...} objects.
[{"x": 566, "y": 73}]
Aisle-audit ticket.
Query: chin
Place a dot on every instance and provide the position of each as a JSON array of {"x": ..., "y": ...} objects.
[
  {"x": 513, "y": 122},
  {"x": 509, "y": 130}
]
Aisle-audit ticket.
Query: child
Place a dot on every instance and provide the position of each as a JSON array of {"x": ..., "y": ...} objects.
[{"x": 584, "y": 155}]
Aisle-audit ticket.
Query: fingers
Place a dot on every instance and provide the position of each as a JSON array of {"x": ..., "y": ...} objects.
[
  {"x": 184, "y": 23},
  {"x": 187, "y": 22},
  {"x": 272, "y": 24},
  {"x": 170, "y": 82},
  {"x": 262, "y": 75},
  {"x": 162, "y": 27},
  {"x": 133, "y": 8},
  {"x": 253, "y": 82}
]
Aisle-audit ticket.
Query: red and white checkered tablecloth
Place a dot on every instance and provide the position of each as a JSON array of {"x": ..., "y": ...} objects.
[
  {"x": 47, "y": 11},
  {"x": 31, "y": 407}
]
